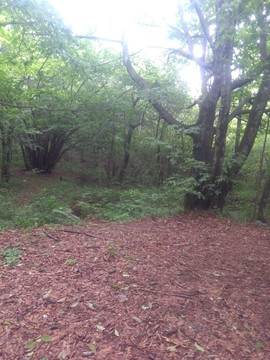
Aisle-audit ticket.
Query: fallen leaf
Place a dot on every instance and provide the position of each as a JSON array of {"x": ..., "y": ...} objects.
[
  {"x": 172, "y": 348},
  {"x": 46, "y": 338},
  {"x": 47, "y": 295},
  {"x": 199, "y": 347},
  {"x": 30, "y": 345},
  {"x": 61, "y": 300},
  {"x": 91, "y": 306},
  {"x": 147, "y": 306},
  {"x": 74, "y": 304},
  {"x": 100, "y": 327},
  {"x": 92, "y": 347},
  {"x": 116, "y": 333},
  {"x": 248, "y": 327}
]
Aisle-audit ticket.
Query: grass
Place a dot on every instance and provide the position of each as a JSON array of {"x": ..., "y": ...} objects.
[{"x": 51, "y": 201}]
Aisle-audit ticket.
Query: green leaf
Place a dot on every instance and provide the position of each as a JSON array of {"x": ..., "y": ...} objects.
[
  {"x": 30, "y": 345},
  {"x": 199, "y": 347},
  {"x": 100, "y": 327},
  {"x": 259, "y": 345},
  {"x": 92, "y": 347},
  {"x": 46, "y": 338}
]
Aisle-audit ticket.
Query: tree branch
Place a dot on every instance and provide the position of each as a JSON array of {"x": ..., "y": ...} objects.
[
  {"x": 164, "y": 114},
  {"x": 198, "y": 61},
  {"x": 239, "y": 108},
  {"x": 236, "y": 84},
  {"x": 90, "y": 37},
  {"x": 203, "y": 22}
]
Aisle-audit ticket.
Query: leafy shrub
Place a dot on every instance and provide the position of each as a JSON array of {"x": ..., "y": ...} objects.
[
  {"x": 45, "y": 209},
  {"x": 125, "y": 205}
]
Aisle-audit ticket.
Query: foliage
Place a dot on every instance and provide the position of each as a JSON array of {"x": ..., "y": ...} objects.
[
  {"x": 65, "y": 100},
  {"x": 59, "y": 202},
  {"x": 45, "y": 209},
  {"x": 125, "y": 205},
  {"x": 11, "y": 256},
  {"x": 70, "y": 262}
]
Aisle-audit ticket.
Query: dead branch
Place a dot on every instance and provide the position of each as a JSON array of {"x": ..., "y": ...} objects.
[
  {"x": 84, "y": 233},
  {"x": 77, "y": 232},
  {"x": 51, "y": 236}
]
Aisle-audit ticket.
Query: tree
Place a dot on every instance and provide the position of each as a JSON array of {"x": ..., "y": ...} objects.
[
  {"x": 30, "y": 35},
  {"x": 222, "y": 29}
]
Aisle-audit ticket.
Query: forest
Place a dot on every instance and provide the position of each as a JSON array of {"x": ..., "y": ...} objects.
[
  {"x": 127, "y": 128},
  {"x": 134, "y": 210}
]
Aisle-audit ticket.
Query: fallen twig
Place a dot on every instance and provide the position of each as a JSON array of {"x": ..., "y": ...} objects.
[
  {"x": 52, "y": 237},
  {"x": 84, "y": 233},
  {"x": 78, "y": 232}
]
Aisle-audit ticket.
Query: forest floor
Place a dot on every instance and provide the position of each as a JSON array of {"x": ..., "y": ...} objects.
[{"x": 193, "y": 286}]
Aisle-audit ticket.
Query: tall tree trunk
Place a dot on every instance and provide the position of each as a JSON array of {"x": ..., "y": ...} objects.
[
  {"x": 6, "y": 159},
  {"x": 247, "y": 141},
  {"x": 6, "y": 143},
  {"x": 264, "y": 201},
  {"x": 127, "y": 146},
  {"x": 212, "y": 181},
  {"x": 260, "y": 175}
]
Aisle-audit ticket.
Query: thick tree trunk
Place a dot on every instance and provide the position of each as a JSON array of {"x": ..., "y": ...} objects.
[
  {"x": 200, "y": 196},
  {"x": 247, "y": 141},
  {"x": 264, "y": 201},
  {"x": 212, "y": 181}
]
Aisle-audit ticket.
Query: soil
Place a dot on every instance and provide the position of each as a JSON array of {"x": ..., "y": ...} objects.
[{"x": 194, "y": 286}]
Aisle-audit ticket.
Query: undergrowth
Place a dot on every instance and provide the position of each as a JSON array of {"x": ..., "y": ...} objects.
[{"x": 68, "y": 202}]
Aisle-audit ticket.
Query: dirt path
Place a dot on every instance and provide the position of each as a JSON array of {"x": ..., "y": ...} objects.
[{"x": 188, "y": 287}]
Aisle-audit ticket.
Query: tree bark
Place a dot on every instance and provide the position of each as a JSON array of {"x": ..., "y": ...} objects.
[
  {"x": 254, "y": 121},
  {"x": 127, "y": 146},
  {"x": 264, "y": 201}
]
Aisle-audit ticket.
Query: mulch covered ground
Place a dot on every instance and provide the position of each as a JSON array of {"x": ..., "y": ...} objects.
[{"x": 188, "y": 287}]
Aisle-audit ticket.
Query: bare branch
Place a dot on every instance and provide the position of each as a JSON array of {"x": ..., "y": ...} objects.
[
  {"x": 90, "y": 37},
  {"x": 192, "y": 57},
  {"x": 186, "y": 32},
  {"x": 203, "y": 22}
]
